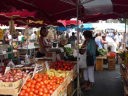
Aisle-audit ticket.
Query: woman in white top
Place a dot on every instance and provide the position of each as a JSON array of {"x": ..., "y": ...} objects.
[{"x": 20, "y": 36}]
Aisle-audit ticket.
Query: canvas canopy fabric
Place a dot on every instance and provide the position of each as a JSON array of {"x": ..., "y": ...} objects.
[{"x": 53, "y": 10}]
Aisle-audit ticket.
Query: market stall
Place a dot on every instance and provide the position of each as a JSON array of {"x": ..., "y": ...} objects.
[{"x": 54, "y": 77}]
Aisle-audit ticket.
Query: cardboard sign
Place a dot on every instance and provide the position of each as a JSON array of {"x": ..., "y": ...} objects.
[
  {"x": 7, "y": 69},
  {"x": 37, "y": 68},
  {"x": 47, "y": 65}
]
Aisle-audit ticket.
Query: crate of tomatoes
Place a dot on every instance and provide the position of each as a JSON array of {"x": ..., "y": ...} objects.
[{"x": 41, "y": 84}]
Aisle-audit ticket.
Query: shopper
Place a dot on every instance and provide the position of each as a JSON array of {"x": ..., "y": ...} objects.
[
  {"x": 110, "y": 43},
  {"x": 6, "y": 40},
  {"x": 90, "y": 49},
  {"x": 33, "y": 37},
  {"x": 72, "y": 40},
  {"x": 44, "y": 42},
  {"x": 99, "y": 41}
]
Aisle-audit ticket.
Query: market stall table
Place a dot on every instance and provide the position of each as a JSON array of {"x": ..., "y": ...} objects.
[
  {"x": 28, "y": 50},
  {"x": 99, "y": 62}
]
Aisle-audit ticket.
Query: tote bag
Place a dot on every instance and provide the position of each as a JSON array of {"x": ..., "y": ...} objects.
[{"x": 82, "y": 61}]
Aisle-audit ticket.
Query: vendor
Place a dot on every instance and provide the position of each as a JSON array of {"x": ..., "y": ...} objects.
[
  {"x": 20, "y": 37},
  {"x": 110, "y": 43},
  {"x": 44, "y": 43}
]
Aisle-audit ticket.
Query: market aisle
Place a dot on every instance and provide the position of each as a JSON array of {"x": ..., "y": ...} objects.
[{"x": 108, "y": 83}]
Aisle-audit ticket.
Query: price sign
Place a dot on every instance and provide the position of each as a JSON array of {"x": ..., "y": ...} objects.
[
  {"x": 47, "y": 65},
  {"x": 37, "y": 68},
  {"x": 7, "y": 69}
]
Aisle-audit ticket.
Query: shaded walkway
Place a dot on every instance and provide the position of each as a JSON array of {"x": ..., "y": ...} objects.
[{"x": 108, "y": 83}]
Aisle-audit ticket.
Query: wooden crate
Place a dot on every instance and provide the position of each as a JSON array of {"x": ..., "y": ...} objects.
[
  {"x": 70, "y": 88},
  {"x": 61, "y": 90},
  {"x": 111, "y": 63},
  {"x": 10, "y": 91},
  {"x": 15, "y": 84},
  {"x": 99, "y": 64}
]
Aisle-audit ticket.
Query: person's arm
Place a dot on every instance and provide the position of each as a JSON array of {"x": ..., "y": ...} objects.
[
  {"x": 46, "y": 43},
  {"x": 83, "y": 45},
  {"x": 103, "y": 41}
]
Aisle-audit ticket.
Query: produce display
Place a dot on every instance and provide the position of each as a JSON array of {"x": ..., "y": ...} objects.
[
  {"x": 111, "y": 54},
  {"x": 12, "y": 75},
  {"x": 57, "y": 73},
  {"x": 41, "y": 85},
  {"x": 68, "y": 51},
  {"x": 46, "y": 83},
  {"x": 102, "y": 52},
  {"x": 62, "y": 65}
]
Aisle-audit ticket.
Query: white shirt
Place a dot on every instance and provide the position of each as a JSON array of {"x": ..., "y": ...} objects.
[
  {"x": 33, "y": 36},
  {"x": 111, "y": 43},
  {"x": 20, "y": 38},
  {"x": 120, "y": 38},
  {"x": 10, "y": 39},
  {"x": 116, "y": 38}
]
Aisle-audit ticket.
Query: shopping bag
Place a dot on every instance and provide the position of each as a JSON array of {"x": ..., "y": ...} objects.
[{"x": 82, "y": 61}]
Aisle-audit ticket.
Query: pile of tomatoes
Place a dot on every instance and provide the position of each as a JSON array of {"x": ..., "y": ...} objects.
[
  {"x": 111, "y": 54},
  {"x": 41, "y": 85},
  {"x": 62, "y": 65}
]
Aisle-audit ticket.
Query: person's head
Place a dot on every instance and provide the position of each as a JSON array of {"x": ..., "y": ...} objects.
[
  {"x": 34, "y": 32},
  {"x": 104, "y": 36},
  {"x": 87, "y": 34},
  {"x": 43, "y": 31},
  {"x": 20, "y": 33},
  {"x": 99, "y": 34},
  {"x": 115, "y": 33},
  {"x": 73, "y": 33}
]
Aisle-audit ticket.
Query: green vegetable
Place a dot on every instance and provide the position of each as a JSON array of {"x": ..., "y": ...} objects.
[
  {"x": 68, "y": 51},
  {"x": 102, "y": 52}
]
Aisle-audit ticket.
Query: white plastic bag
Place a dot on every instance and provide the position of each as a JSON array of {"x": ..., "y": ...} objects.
[{"x": 82, "y": 61}]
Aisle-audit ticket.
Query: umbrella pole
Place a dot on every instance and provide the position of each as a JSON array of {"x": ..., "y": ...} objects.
[{"x": 79, "y": 92}]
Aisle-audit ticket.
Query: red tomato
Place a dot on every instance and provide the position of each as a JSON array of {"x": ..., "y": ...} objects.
[
  {"x": 37, "y": 87},
  {"x": 26, "y": 94},
  {"x": 51, "y": 91},
  {"x": 41, "y": 93},
  {"x": 36, "y": 91},
  {"x": 45, "y": 91},
  {"x": 22, "y": 93},
  {"x": 28, "y": 84},
  {"x": 28, "y": 90},
  {"x": 24, "y": 87}
]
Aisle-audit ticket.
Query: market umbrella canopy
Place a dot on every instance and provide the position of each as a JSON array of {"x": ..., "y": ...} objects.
[
  {"x": 18, "y": 14},
  {"x": 52, "y": 10},
  {"x": 69, "y": 22},
  {"x": 105, "y": 9},
  {"x": 95, "y": 17}
]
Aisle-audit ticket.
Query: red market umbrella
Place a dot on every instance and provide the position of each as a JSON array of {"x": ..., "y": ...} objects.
[
  {"x": 48, "y": 10},
  {"x": 52, "y": 10},
  {"x": 18, "y": 14},
  {"x": 69, "y": 22}
]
